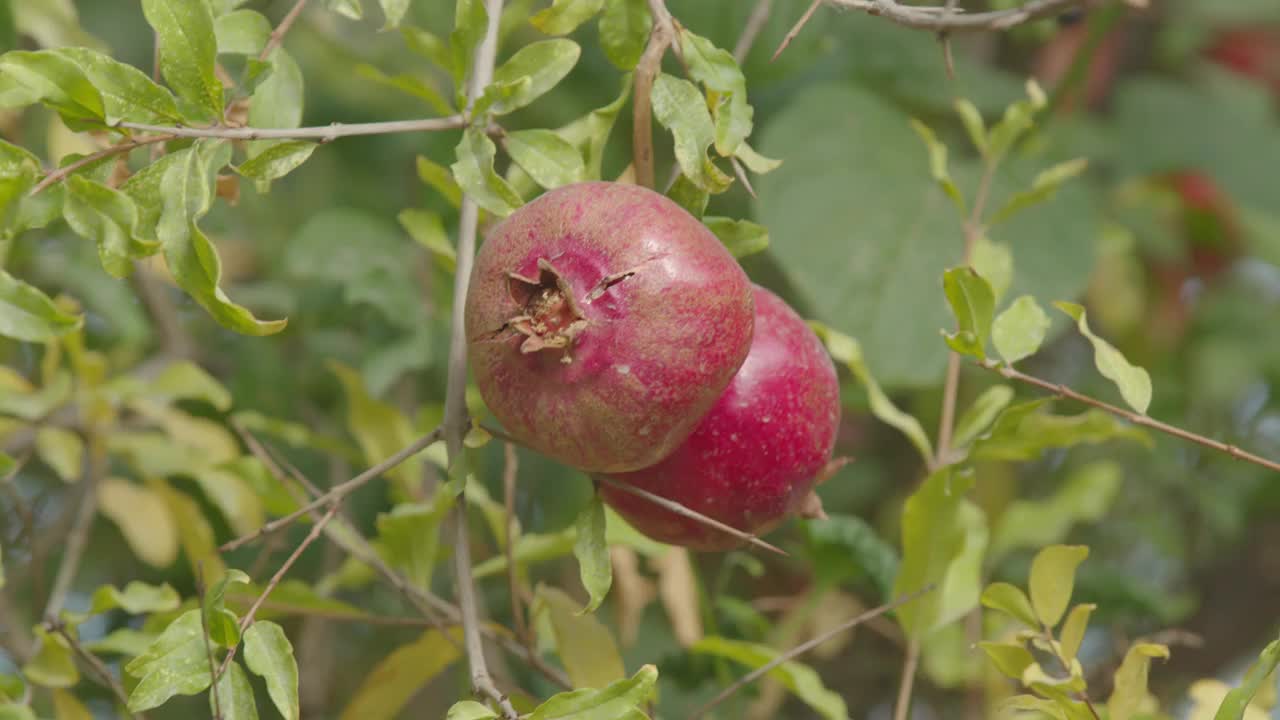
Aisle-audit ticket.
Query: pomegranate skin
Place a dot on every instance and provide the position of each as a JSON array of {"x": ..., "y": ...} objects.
[
  {"x": 756, "y": 455},
  {"x": 603, "y": 321}
]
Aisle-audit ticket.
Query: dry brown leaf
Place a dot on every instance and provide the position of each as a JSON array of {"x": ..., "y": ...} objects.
[{"x": 679, "y": 592}]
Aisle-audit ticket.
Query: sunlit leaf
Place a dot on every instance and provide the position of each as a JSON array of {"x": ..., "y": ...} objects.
[
  {"x": 175, "y": 664},
  {"x": 350, "y": 9},
  {"x": 439, "y": 177},
  {"x": 1053, "y": 575},
  {"x": 137, "y": 598},
  {"x": 624, "y": 29},
  {"x": 1130, "y": 693},
  {"x": 28, "y": 314},
  {"x": 1073, "y": 629},
  {"x": 530, "y": 73},
  {"x": 1018, "y": 118},
  {"x": 62, "y": 450},
  {"x": 380, "y": 429},
  {"x": 797, "y": 677},
  {"x": 235, "y": 695},
  {"x": 1010, "y": 658},
  {"x": 1019, "y": 331},
  {"x": 410, "y": 535},
  {"x": 592, "y": 552},
  {"x": 549, "y": 159},
  {"x": 590, "y": 132},
  {"x": 57, "y": 81},
  {"x": 195, "y": 534},
  {"x": 393, "y": 11},
  {"x": 428, "y": 230},
  {"x": 973, "y": 304},
  {"x": 586, "y": 647},
  {"x": 971, "y": 118},
  {"x": 1012, "y": 600},
  {"x": 681, "y": 109},
  {"x": 277, "y": 161},
  {"x": 741, "y": 237},
  {"x": 269, "y": 654},
  {"x": 981, "y": 413},
  {"x": 188, "y": 50},
  {"x": 470, "y": 710},
  {"x": 564, "y": 16},
  {"x": 127, "y": 92},
  {"x": 756, "y": 162},
  {"x": 143, "y": 518},
  {"x": 620, "y": 700},
  {"x": 1236, "y": 703},
  {"x": 66, "y": 706},
  {"x": 1134, "y": 382},
  {"x": 400, "y": 674},
  {"x": 122, "y": 641}
]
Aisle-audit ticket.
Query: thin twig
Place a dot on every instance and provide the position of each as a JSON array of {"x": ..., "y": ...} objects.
[
  {"x": 805, "y": 647},
  {"x": 795, "y": 29},
  {"x": 1133, "y": 417},
  {"x": 647, "y": 70},
  {"x": 683, "y": 511},
  {"x": 96, "y": 666},
  {"x": 78, "y": 536},
  {"x": 938, "y": 19},
  {"x": 339, "y": 492},
  {"x": 509, "y": 472},
  {"x": 322, "y": 133},
  {"x": 755, "y": 23},
  {"x": 277, "y": 35},
  {"x": 909, "y": 665},
  {"x": 59, "y": 174}
]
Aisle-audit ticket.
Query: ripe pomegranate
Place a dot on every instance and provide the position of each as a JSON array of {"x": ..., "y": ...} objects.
[
  {"x": 603, "y": 321},
  {"x": 755, "y": 457}
]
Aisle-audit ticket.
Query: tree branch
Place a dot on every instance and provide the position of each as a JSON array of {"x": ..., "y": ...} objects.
[
  {"x": 321, "y": 133},
  {"x": 755, "y": 23},
  {"x": 59, "y": 174},
  {"x": 95, "y": 665},
  {"x": 277, "y": 35},
  {"x": 943, "y": 19},
  {"x": 660, "y": 38}
]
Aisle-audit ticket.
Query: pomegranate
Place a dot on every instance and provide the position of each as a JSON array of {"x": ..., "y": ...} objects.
[
  {"x": 603, "y": 321},
  {"x": 756, "y": 456}
]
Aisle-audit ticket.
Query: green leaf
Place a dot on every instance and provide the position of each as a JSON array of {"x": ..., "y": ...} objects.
[
  {"x": 278, "y": 100},
  {"x": 1011, "y": 600},
  {"x": 1023, "y": 433},
  {"x": 127, "y": 93},
  {"x": 689, "y": 196},
  {"x": 1010, "y": 658},
  {"x": 222, "y": 625},
  {"x": 981, "y": 413},
  {"x": 590, "y": 132},
  {"x": 1130, "y": 693},
  {"x": 529, "y": 74},
  {"x": 530, "y": 548},
  {"x": 242, "y": 32},
  {"x": 973, "y": 304},
  {"x": 29, "y": 315},
  {"x": 549, "y": 159},
  {"x": 1237, "y": 701},
  {"x": 54, "y": 664},
  {"x": 393, "y": 11},
  {"x": 741, "y": 237},
  {"x": 122, "y": 641},
  {"x": 1073, "y": 629},
  {"x": 1134, "y": 382},
  {"x": 848, "y": 352},
  {"x": 564, "y": 16},
  {"x": 585, "y": 645},
  {"x": 438, "y": 177},
  {"x": 188, "y": 50},
  {"x": 428, "y": 230},
  {"x": 934, "y": 537},
  {"x": 379, "y": 428},
  {"x": 350, "y": 9},
  {"x": 269, "y": 655},
  {"x": 1084, "y": 497},
  {"x": 427, "y": 45},
  {"x": 109, "y": 218},
  {"x": 410, "y": 537},
  {"x": 844, "y": 544},
  {"x": 681, "y": 109},
  {"x": 971, "y": 118},
  {"x": 800, "y": 679},
  {"x": 938, "y": 164},
  {"x": 191, "y": 257},
  {"x": 421, "y": 87},
  {"x": 175, "y": 664},
  {"x": 719, "y": 73},
  {"x": 592, "y": 552},
  {"x": 235, "y": 498},
  {"x": 57, "y": 81},
  {"x": 1042, "y": 188},
  {"x": 187, "y": 381},
  {"x": 62, "y": 450},
  {"x": 624, "y": 30},
  {"x": 469, "y": 25},
  {"x": 620, "y": 700},
  {"x": 137, "y": 598},
  {"x": 756, "y": 162},
  {"x": 235, "y": 695},
  {"x": 475, "y": 175},
  {"x": 277, "y": 161},
  {"x": 1053, "y": 575},
  {"x": 1019, "y": 331},
  {"x": 994, "y": 262},
  {"x": 147, "y": 526},
  {"x": 470, "y": 710},
  {"x": 1018, "y": 118}
]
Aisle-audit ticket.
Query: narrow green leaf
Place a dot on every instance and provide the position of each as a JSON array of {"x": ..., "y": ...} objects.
[
  {"x": 681, "y": 109},
  {"x": 175, "y": 664},
  {"x": 1237, "y": 701},
  {"x": 277, "y": 101},
  {"x": 476, "y": 177},
  {"x": 756, "y": 162},
  {"x": 419, "y": 86},
  {"x": 62, "y": 450},
  {"x": 350, "y": 9},
  {"x": 1022, "y": 432},
  {"x": 410, "y": 537},
  {"x": 1134, "y": 382},
  {"x": 127, "y": 93},
  {"x": 620, "y": 700},
  {"x": 1084, "y": 497},
  {"x": 1053, "y": 575},
  {"x": 1042, "y": 188},
  {"x": 28, "y": 314},
  {"x": 1010, "y": 658},
  {"x": 741, "y": 237},
  {"x": 1011, "y": 600},
  {"x": 1073, "y": 629},
  {"x": 270, "y": 656},
  {"x": 973, "y": 124},
  {"x": 277, "y": 161},
  {"x": 1019, "y": 331},
  {"x": 469, "y": 24},
  {"x": 934, "y": 536},
  {"x": 994, "y": 262},
  {"x": 624, "y": 30},
  {"x": 973, "y": 304},
  {"x": 1130, "y": 693},
  {"x": 586, "y": 647},
  {"x": 379, "y": 428},
  {"x": 549, "y": 159},
  {"x": 439, "y": 177},
  {"x": 188, "y": 50},
  {"x": 235, "y": 695},
  {"x": 590, "y": 132},
  {"x": 109, "y": 218},
  {"x": 57, "y": 81},
  {"x": 529, "y": 74},
  {"x": 393, "y": 12},
  {"x": 848, "y": 351},
  {"x": 938, "y": 164},
  {"x": 719, "y": 73},
  {"x": 981, "y": 413},
  {"x": 54, "y": 664},
  {"x": 592, "y": 551},
  {"x": 564, "y": 16},
  {"x": 800, "y": 679},
  {"x": 530, "y": 548},
  {"x": 470, "y": 710},
  {"x": 428, "y": 230},
  {"x": 427, "y": 45},
  {"x": 1017, "y": 120},
  {"x": 137, "y": 598},
  {"x": 242, "y": 32}
]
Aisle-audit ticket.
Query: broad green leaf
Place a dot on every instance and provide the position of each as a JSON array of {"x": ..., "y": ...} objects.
[
  {"x": 62, "y": 450},
  {"x": 176, "y": 664},
  {"x": 971, "y": 118},
  {"x": 191, "y": 257},
  {"x": 756, "y": 162},
  {"x": 127, "y": 92},
  {"x": 188, "y": 50},
  {"x": 800, "y": 679},
  {"x": 1022, "y": 432},
  {"x": 934, "y": 536},
  {"x": 1010, "y": 599},
  {"x": 401, "y": 674},
  {"x": 973, "y": 304},
  {"x": 1073, "y": 629},
  {"x": 269, "y": 655},
  {"x": 137, "y": 598},
  {"x": 1134, "y": 382},
  {"x": 109, "y": 218},
  {"x": 221, "y": 623},
  {"x": 994, "y": 262},
  {"x": 741, "y": 237},
  {"x": 428, "y": 45},
  {"x": 470, "y": 710},
  {"x": 564, "y": 16},
  {"x": 410, "y": 537},
  {"x": 1130, "y": 693},
  {"x": 716, "y": 69},
  {"x": 277, "y": 101},
  {"x": 235, "y": 695},
  {"x": 350, "y": 9},
  {"x": 1042, "y": 188},
  {"x": 624, "y": 30},
  {"x": 240, "y": 506},
  {"x": 438, "y": 177},
  {"x": 938, "y": 164},
  {"x": 620, "y": 700},
  {"x": 29, "y": 315},
  {"x": 11, "y": 688},
  {"x": 1019, "y": 331},
  {"x": 592, "y": 551},
  {"x": 1053, "y": 575},
  {"x": 393, "y": 12},
  {"x": 469, "y": 25},
  {"x": 586, "y": 647},
  {"x": 54, "y": 664},
  {"x": 1010, "y": 658},
  {"x": 590, "y": 132},
  {"x": 848, "y": 352},
  {"x": 242, "y": 32},
  {"x": 530, "y": 73},
  {"x": 845, "y": 544},
  {"x": 681, "y": 109},
  {"x": 1236, "y": 703},
  {"x": 689, "y": 196},
  {"x": 277, "y": 161},
  {"x": 57, "y": 81},
  {"x": 981, "y": 413},
  {"x": 18, "y": 171},
  {"x": 475, "y": 175},
  {"x": 428, "y": 230},
  {"x": 379, "y": 428},
  {"x": 549, "y": 159},
  {"x": 1084, "y": 497},
  {"x": 961, "y": 586},
  {"x": 143, "y": 518},
  {"x": 145, "y": 187}
]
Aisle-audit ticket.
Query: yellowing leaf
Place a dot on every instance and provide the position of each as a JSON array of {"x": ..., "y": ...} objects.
[
  {"x": 619, "y": 701},
  {"x": 1130, "y": 694},
  {"x": 1134, "y": 382},
  {"x": 586, "y": 647},
  {"x": 379, "y": 428},
  {"x": 799, "y": 678},
  {"x": 1073, "y": 629},
  {"x": 53, "y": 665},
  {"x": 143, "y": 517},
  {"x": 1010, "y": 599},
  {"x": 399, "y": 675},
  {"x": 1053, "y": 575},
  {"x": 61, "y": 450}
]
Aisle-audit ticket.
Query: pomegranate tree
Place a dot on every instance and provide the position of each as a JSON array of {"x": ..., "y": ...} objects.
[
  {"x": 603, "y": 321},
  {"x": 754, "y": 458}
]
